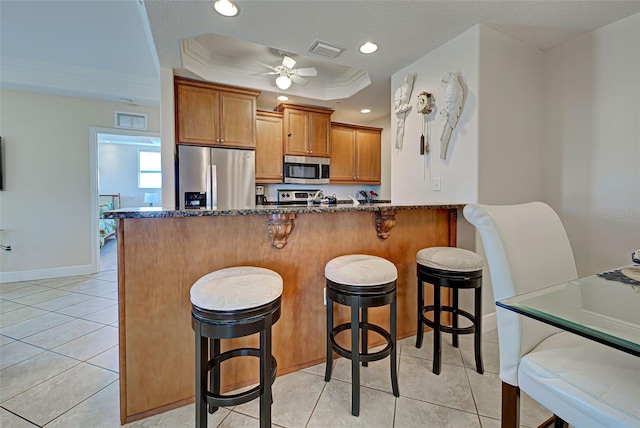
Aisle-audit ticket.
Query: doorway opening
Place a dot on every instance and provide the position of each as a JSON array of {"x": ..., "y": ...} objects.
[{"x": 126, "y": 173}]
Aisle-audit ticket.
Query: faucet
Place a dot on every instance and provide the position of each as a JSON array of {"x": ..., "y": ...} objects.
[{"x": 312, "y": 199}]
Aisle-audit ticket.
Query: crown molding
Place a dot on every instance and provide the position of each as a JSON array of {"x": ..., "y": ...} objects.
[
  {"x": 53, "y": 78},
  {"x": 230, "y": 71}
]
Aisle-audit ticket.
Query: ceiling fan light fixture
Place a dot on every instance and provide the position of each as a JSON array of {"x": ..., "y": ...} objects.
[
  {"x": 283, "y": 82},
  {"x": 368, "y": 48},
  {"x": 225, "y": 8}
]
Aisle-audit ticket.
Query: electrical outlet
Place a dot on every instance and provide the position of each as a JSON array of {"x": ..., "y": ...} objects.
[
  {"x": 436, "y": 184},
  {"x": 324, "y": 291}
]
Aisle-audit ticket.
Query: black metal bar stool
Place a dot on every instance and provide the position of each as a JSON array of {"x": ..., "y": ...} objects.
[
  {"x": 361, "y": 281},
  {"x": 457, "y": 269},
  {"x": 230, "y": 303}
]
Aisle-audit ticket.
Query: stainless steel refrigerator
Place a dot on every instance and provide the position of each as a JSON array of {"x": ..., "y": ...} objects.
[{"x": 215, "y": 178}]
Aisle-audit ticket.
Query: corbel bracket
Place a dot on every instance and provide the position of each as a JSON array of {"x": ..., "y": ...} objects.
[
  {"x": 385, "y": 220},
  {"x": 279, "y": 227}
]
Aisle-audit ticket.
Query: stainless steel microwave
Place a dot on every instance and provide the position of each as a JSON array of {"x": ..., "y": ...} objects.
[{"x": 306, "y": 170}]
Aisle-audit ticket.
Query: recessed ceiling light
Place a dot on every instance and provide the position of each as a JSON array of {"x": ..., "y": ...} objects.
[
  {"x": 368, "y": 48},
  {"x": 282, "y": 98},
  {"x": 365, "y": 110},
  {"x": 225, "y": 8}
]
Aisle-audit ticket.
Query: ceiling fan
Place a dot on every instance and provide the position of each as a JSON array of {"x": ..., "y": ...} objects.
[{"x": 287, "y": 73}]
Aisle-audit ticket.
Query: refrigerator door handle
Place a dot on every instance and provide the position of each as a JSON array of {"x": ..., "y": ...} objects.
[
  {"x": 213, "y": 191},
  {"x": 207, "y": 174}
]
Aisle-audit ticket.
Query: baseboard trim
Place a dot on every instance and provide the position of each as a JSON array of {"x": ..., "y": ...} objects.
[
  {"x": 32, "y": 275},
  {"x": 489, "y": 322}
]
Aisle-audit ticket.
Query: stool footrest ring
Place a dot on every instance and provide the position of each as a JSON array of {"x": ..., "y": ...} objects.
[
  {"x": 445, "y": 328},
  {"x": 369, "y": 357},
  {"x": 219, "y": 400}
]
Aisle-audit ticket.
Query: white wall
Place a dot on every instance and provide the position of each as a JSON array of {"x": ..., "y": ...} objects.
[
  {"x": 592, "y": 142},
  {"x": 510, "y": 120},
  {"x": 168, "y": 141},
  {"x": 45, "y": 209},
  {"x": 509, "y": 131},
  {"x": 413, "y": 173},
  {"x": 560, "y": 126},
  {"x": 118, "y": 173}
]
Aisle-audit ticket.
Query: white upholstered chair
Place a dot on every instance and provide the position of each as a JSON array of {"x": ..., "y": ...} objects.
[{"x": 585, "y": 383}]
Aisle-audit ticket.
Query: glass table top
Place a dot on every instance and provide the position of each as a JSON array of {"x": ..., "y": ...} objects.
[{"x": 604, "y": 310}]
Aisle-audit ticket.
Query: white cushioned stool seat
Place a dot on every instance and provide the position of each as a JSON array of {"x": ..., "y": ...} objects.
[
  {"x": 449, "y": 258},
  {"x": 360, "y": 270},
  {"x": 586, "y": 382},
  {"x": 236, "y": 288}
]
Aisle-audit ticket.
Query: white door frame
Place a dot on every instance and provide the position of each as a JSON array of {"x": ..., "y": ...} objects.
[{"x": 93, "y": 182}]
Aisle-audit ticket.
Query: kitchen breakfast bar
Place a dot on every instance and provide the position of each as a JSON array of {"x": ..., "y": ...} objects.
[{"x": 162, "y": 252}]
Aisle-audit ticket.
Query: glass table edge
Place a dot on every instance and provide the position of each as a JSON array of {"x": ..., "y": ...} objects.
[{"x": 589, "y": 333}]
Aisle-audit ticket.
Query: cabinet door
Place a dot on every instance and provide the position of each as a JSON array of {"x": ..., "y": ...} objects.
[
  {"x": 319, "y": 134},
  {"x": 237, "y": 120},
  {"x": 368, "y": 156},
  {"x": 197, "y": 115},
  {"x": 268, "y": 149},
  {"x": 296, "y": 132},
  {"x": 342, "y": 155}
]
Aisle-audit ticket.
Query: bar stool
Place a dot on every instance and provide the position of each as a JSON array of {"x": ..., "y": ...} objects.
[
  {"x": 361, "y": 281},
  {"x": 457, "y": 269},
  {"x": 229, "y": 303}
]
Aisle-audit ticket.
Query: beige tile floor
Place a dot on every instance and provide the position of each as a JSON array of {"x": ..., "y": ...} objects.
[{"x": 59, "y": 368}]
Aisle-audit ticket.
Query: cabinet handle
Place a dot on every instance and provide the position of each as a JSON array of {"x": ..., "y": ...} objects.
[
  {"x": 217, "y": 140},
  {"x": 222, "y": 140}
]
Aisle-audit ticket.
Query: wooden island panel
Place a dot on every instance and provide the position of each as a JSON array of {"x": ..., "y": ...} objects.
[{"x": 160, "y": 259}]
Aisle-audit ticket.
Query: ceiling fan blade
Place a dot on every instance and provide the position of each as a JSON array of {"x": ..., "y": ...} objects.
[
  {"x": 299, "y": 80},
  {"x": 267, "y": 65},
  {"x": 265, "y": 73},
  {"x": 308, "y": 71},
  {"x": 288, "y": 62}
]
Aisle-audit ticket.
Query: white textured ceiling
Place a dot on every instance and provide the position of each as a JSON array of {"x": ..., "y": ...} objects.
[{"x": 109, "y": 37}]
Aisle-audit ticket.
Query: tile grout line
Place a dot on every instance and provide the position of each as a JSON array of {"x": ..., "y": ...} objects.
[
  {"x": 77, "y": 404},
  {"x": 18, "y": 416},
  {"x": 317, "y": 401},
  {"x": 60, "y": 325}
]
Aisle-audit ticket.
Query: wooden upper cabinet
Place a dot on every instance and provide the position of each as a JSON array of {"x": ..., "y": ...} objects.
[
  {"x": 319, "y": 134},
  {"x": 268, "y": 147},
  {"x": 196, "y": 118},
  {"x": 355, "y": 154},
  {"x": 214, "y": 115},
  {"x": 342, "y": 154},
  {"x": 306, "y": 130},
  {"x": 296, "y": 132},
  {"x": 368, "y": 145}
]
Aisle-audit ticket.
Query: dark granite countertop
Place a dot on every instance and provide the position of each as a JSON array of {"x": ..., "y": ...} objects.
[{"x": 158, "y": 212}]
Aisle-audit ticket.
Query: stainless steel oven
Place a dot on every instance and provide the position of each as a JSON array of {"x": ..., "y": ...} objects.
[{"x": 306, "y": 170}]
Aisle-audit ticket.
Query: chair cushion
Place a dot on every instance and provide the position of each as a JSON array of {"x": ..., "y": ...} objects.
[
  {"x": 449, "y": 258},
  {"x": 360, "y": 270},
  {"x": 236, "y": 288},
  {"x": 584, "y": 382}
]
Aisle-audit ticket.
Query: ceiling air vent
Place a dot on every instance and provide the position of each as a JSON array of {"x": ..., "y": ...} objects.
[
  {"x": 324, "y": 48},
  {"x": 130, "y": 120}
]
